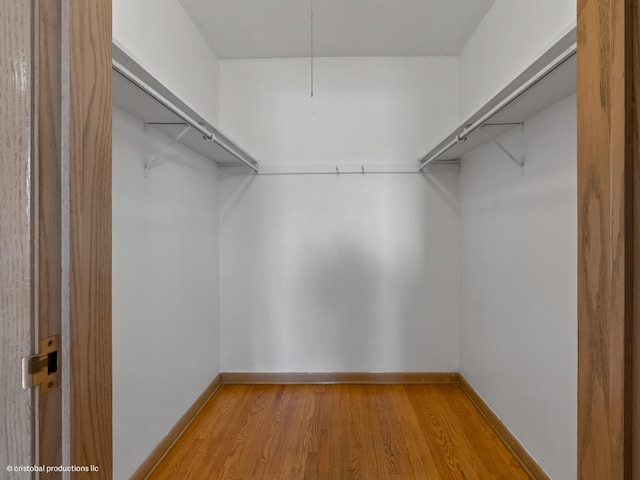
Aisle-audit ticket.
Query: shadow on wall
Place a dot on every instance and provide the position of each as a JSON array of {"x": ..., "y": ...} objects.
[
  {"x": 444, "y": 190},
  {"x": 340, "y": 274},
  {"x": 343, "y": 293},
  {"x": 230, "y": 205}
]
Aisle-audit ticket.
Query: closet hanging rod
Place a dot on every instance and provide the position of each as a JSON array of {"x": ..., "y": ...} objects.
[
  {"x": 533, "y": 81},
  {"x": 122, "y": 70}
]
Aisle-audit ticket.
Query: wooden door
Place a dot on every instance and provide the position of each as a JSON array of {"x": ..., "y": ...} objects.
[
  {"x": 16, "y": 233},
  {"x": 55, "y": 232}
]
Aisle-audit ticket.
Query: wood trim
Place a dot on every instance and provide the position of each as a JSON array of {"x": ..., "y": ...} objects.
[
  {"x": 86, "y": 120},
  {"x": 526, "y": 461},
  {"x": 49, "y": 229},
  {"x": 633, "y": 139},
  {"x": 607, "y": 162},
  {"x": 158, "y": 453},
  {"x": 337, "y": 377}
]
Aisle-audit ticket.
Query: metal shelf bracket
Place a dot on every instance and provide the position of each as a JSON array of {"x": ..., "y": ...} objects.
[
  {"x": 503, "y": 149},
  {"x": 150, "y": 164}
]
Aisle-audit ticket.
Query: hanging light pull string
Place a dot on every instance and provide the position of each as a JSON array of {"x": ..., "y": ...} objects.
[{"x": 311, "y": 48}]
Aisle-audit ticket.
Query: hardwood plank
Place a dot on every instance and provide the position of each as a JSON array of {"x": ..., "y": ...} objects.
[
  {"x": 331, "y": 416},
  {"x": 16, "y": 226},
  {"x": 339, "y": 431},
  {"x": 438, "y": 427},
  {"x": 87, "y": 101},
  {"x": 346, "y": 445},
  {"x": 285, "y": 449},
  {"x": 363, "y": 449},
  {"x": 257, "y": 450},
  {"x": 252, "y": 432},
  {"x": 607, "y": 158},
  {"x": 395, "y": 456},
  {"x": 420, "y": 456},
  {"x": 318, "y": 459},
  {"x": 313, "y": 434}
]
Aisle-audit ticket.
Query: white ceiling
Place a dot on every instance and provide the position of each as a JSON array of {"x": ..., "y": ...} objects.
[{"x": 281, "y": 28}]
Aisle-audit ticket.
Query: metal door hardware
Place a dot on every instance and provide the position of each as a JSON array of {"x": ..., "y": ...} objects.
[{"x": 43, "y": 369}]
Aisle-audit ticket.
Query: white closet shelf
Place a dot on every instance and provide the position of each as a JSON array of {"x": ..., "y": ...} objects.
[
  {"x": 546, "y": 81},
  {"x": 139, "y": 93}
]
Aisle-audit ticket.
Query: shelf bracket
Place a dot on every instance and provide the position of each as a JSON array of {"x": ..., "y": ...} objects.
[
  {"x": 149, "y": 165},
  {"x": 502, "y": 148}
]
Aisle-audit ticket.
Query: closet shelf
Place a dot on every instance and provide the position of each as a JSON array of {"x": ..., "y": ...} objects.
[
  {"x": 548, "y": 80},
  {"x": 137, "y": 92}
]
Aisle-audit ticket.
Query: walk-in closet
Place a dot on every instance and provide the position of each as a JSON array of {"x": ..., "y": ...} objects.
[
  {"x": 323, "y": 193},
  {"x": 319, "y": 239}
]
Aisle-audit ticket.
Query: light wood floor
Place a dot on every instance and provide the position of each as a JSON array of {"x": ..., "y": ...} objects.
[{"x": 328, "y": 432}]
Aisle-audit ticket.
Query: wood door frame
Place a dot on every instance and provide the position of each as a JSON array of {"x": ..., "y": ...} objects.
[
  {"x": 86, "y": 226},
  {"x": 608, "y": 235},
  {"x": 48, "y": 179}
]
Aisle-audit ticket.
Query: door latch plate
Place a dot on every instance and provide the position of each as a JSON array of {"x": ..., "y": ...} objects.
[{"x": 43, "y": 369}]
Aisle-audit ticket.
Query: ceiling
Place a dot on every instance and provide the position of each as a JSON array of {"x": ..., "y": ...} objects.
[{"x": 281, "y": 28}]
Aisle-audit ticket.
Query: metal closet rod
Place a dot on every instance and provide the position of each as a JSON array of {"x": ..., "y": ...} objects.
[
  {"x": 138, "y": 82},
  {"x": 541, "y": 75}
]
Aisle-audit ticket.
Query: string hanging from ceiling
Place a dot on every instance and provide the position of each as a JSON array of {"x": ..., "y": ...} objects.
[{"x": 311, "y": 48}]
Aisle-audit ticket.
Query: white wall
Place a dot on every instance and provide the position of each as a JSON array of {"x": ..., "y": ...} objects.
[
  {"x": 513, "y": 34},
  {"x": 165, "y": 240},
  {"x": 339, "y": 273},
  {"x": 375, "y": 110},
  {"x": 519, "y": 285},
  {"x": 160, "y": 36},
  {"x": 165, "y": 288}
]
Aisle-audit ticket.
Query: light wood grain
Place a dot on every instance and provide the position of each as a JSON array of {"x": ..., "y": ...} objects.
[
  {"x": 339, "y": 431},
  {"x": 337, "y": 377},
  {"x": 49, "y": 218},
  {"x": 16, "y": 228},
  {"x": 606, "y": 159},
  {"x": 178, "y": 429},
  {"x": 87, "y": 26}
]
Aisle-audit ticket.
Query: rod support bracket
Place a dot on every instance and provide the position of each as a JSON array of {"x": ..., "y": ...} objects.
[
  {"x": 150, "y": 164},
  {"x": 503, "y": 149}
]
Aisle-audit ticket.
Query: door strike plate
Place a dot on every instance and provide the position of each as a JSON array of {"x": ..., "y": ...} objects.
[{"x": 43, "y": 369}]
